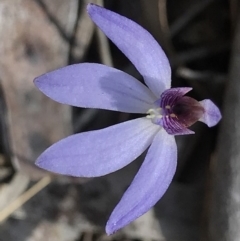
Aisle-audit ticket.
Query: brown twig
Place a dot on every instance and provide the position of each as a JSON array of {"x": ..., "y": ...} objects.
[
  {"x": 198, "y": 53},
  {"x": 191, "y": 74},
  {"x": 17, "y": 203}
]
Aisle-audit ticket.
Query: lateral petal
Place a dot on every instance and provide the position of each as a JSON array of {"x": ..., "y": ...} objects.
[
  {"x": 150, "y": 183},
  {"x": 96, "y": 86},
  {"x": 97, "y": 153}
]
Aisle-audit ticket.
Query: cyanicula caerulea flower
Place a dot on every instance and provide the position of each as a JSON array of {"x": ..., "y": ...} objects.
[{"x": 168, "y": 112}]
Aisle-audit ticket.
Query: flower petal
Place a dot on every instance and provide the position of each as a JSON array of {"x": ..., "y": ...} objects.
[
  {"x": 137, "y": 44},
  {"x": 96, "y": 86},
  {"x": 150, "y": 183},
  {"x": 100, "y": 152},
  {"x": 212, "y": 114}
]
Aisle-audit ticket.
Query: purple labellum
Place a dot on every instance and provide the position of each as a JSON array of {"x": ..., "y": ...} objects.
[
  {"x": 175, "y": 112},
  {"x": 187, "y": 111}
]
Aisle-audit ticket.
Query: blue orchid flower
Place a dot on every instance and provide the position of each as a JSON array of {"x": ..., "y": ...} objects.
[{"x": 168, "y": 112}]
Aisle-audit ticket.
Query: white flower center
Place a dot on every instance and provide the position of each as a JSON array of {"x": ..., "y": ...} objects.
[{"x": 154, "y": 114}]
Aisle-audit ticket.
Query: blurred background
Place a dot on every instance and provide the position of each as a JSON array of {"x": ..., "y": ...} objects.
[{"x": 201, "y": 39}]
